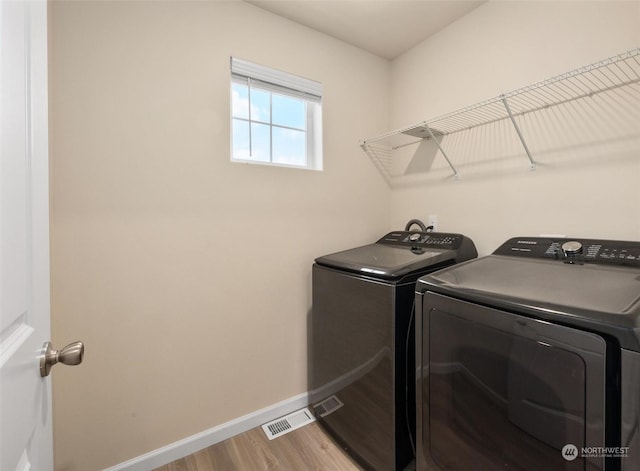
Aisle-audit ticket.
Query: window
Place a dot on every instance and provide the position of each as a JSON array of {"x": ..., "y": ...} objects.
[{"x": 275, "y": 117}]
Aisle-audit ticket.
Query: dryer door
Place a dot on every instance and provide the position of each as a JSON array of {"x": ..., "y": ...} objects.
[{"x": 501, "y": 391}]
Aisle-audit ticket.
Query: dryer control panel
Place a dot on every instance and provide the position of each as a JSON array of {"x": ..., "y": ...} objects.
[
  {"x": 610, "y": 252},
  {"x": 432, "y": 240}
]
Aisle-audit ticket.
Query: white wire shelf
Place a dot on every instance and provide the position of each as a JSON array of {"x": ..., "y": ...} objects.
[{"x": 618, "y": 72}]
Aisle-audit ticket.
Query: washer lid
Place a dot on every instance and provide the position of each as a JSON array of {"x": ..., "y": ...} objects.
[
  {"x": 384, "y": 261},
  {"x": 601, "y": 298}
]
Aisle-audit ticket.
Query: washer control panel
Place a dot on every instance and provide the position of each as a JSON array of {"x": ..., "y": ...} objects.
[
  {"x": 612, "y": 252},
  {"x": 433, "y": 240}
]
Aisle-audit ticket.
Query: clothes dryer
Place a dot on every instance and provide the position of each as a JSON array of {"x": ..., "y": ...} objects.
[{"x": 529, "y": 359}]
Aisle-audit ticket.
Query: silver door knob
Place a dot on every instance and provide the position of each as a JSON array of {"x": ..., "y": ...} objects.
[{"x": 72, "y": 354}]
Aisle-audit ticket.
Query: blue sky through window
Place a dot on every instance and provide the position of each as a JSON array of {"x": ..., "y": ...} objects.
[{"x": 278, "y": 126}]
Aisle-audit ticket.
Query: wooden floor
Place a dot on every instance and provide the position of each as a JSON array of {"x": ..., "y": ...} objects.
[{"x": 305, "y": 449}]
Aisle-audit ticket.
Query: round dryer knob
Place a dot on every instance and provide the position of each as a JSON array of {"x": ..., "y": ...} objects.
[{"x": 573, "y": 247}]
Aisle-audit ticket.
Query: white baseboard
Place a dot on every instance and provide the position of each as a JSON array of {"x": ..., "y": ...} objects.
[{"x": 214, "y": 435}]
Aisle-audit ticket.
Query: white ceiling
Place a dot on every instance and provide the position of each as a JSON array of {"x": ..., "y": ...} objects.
[{"x": 386, "y": 28}]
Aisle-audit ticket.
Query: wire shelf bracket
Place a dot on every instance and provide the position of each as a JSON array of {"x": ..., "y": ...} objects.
[{"x": 517, "y": 128}]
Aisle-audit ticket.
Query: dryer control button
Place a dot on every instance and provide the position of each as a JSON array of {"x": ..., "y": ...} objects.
[{"x": 572, "y": 247}]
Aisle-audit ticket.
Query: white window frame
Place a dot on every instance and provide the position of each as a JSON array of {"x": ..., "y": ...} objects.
[{"x": 257, "y": 76}]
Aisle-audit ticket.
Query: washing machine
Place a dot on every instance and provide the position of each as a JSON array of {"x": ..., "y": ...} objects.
[
  {"x": 529, "y": 359},
  {"x": 361, "y": 370}
]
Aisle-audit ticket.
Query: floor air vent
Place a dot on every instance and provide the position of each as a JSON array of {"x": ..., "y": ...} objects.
[
  {"x": 327, "y": 406},
  {"x": 288, "y": 423}
]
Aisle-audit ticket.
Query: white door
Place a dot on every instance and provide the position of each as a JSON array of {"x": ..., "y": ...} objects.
[{"x": 25, "y": 397}]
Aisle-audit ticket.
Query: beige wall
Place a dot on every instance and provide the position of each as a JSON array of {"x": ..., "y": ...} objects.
[
  {"x": 188, "y": 277},
  {"x": 586, "y": 182}
]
